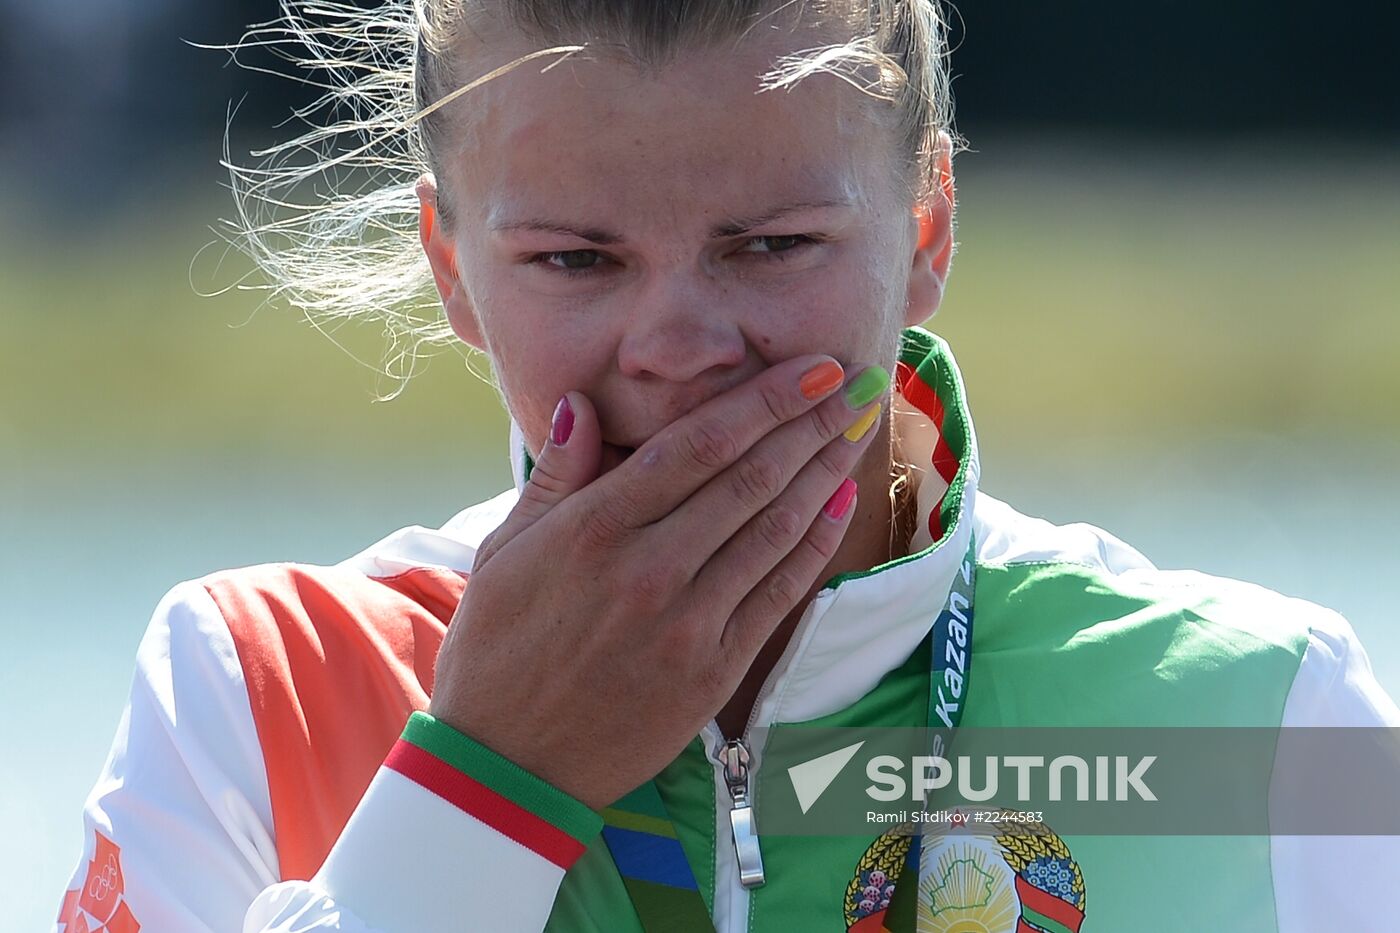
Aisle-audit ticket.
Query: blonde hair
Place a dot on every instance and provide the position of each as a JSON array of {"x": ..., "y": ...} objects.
[{"x": 330, "y": 217}]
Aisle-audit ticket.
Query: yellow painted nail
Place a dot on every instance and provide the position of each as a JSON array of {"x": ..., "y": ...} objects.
[{"x": 856, "y": 431}]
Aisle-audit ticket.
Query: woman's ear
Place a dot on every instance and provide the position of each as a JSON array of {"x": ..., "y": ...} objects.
[
  {"x": 442, "y": 258},
  {"x": 933, "y": 252}
]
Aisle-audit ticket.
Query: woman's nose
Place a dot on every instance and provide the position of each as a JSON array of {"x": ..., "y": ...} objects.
[{"x": 677, "y": 331}]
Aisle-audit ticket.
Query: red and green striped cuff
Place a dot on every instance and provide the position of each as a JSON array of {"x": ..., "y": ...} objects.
[{"x": 495, "y": 791}]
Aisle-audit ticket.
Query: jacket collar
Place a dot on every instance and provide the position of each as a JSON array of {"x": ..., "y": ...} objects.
[{"x": 861, "y": 625}]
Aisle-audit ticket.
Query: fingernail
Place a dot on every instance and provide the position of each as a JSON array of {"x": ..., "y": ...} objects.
[
  {"x": 821, "y": 380},
  {"x": 867, "y": 387},
  {"x": 856, "y": 431},
  {"x": 563, "y": 424},
  {"x": 840, "y": 502}
]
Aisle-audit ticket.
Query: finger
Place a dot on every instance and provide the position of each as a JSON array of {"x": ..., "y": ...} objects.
[
  {"x": 716, "y": 512},
  {"x": 570, "y": 460},
  {"x": 784, "y": 586},
  {"x": 744, "y": 562},
  {"x": 693, "y": 449}
]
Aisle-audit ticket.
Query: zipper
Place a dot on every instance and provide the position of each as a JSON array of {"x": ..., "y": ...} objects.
[
  {"x": 733, "y": 757},
  {"x": 737, "y": 764},
  {"x": 736, "y": 767},
  {"x": 731, "y": 894}
]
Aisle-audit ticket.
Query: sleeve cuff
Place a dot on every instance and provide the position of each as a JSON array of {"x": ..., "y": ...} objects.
[
  {"x": 448, "y": 825},
  {"x": 494, "y": 790}
]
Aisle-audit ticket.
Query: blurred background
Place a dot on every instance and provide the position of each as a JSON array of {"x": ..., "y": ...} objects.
[{"x": 1174, "y": 306}]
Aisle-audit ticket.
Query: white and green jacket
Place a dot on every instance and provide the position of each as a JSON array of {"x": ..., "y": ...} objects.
[{"x": 273, "y": 770}]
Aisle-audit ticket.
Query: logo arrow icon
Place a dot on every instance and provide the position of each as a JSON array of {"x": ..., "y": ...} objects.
[{"x": 811, "y": 778}]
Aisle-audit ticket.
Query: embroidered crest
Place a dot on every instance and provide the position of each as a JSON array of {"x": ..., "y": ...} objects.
[{"x": 983, "y": 877}]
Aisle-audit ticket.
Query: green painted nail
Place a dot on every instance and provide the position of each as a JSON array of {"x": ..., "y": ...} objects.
[{"x": 867, "y": 387}]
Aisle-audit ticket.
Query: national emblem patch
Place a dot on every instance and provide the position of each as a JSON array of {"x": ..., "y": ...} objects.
[{"x": 1000, "y": 876}]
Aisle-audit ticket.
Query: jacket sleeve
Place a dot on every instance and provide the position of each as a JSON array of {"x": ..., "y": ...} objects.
[
  {"x": 178, "y": 829},
  {"x": 1335, "y": 882},
  {"x": 448, "y": 829},
  {"x": 179, "y": 832}
]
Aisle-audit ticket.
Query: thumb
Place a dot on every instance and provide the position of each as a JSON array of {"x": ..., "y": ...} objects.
[{"x": 570, "y": 460}]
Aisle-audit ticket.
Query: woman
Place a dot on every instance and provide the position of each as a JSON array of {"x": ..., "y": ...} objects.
[{"x": 695, "y": 241}]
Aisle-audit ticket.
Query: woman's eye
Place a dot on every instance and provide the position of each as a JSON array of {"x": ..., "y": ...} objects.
[
  {"x": 590, "y": 261},
  {"x": 775, "y": 244},
  {"x": 573, "y": 260}
]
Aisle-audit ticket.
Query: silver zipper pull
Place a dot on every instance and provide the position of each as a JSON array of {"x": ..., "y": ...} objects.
[{"x": 734, "y": 756}]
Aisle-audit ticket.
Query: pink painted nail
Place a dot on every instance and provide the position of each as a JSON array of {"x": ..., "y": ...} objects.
[
  {"x": 840, "y": 501},
  {"x": 563, "y": 424}
]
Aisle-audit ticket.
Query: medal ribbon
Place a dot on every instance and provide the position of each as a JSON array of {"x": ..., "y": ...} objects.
[{"x": 950, "y": 665}]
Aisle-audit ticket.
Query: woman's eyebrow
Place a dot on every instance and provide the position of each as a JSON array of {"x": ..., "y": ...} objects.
[
  {"x": 592, "y": 234},
  {"x": 737, "y": 226},
  {"x": 740, "y": 225}
]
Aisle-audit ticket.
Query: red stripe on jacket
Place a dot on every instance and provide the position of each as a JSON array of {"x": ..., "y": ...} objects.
[{"x": 335, "y": 662}]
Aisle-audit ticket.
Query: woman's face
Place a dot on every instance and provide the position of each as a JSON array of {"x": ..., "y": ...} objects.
[{"x": 654, "y": 239}]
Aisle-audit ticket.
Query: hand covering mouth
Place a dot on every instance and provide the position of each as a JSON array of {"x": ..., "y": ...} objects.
[{"x": 613, "y": 456}]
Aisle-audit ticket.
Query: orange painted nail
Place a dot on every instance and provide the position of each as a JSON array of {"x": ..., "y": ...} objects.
[{"x": 821, "y": 380}]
